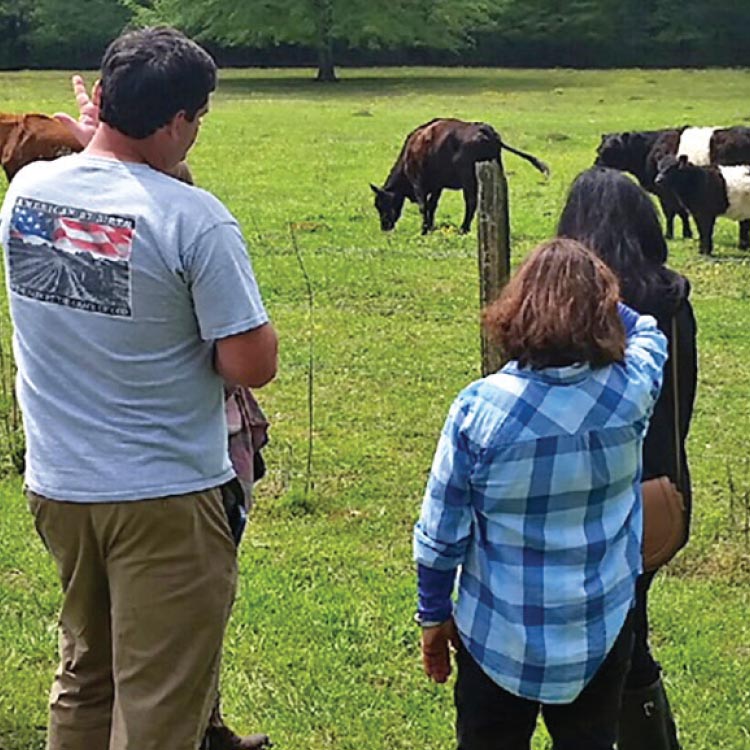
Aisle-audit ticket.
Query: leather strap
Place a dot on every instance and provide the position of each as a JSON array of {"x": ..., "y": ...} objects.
[{"x": 676, "y": 400}]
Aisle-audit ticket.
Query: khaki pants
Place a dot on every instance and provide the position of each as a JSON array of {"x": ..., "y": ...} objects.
[{"x": 148, "y": 588}]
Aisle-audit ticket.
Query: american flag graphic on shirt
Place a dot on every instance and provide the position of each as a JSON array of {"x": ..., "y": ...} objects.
[{"x": 72, "y": 257}]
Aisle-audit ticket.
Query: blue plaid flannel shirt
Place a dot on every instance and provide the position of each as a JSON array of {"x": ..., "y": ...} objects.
[{"x": 535, "y": 494}]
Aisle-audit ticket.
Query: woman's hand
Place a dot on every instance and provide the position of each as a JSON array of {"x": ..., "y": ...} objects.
[
  {"x": 88, "y": 111},
  {"x": 436, "y": 656}
]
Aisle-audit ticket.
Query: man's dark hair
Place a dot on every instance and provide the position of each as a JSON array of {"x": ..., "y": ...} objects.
[
  {"x": 614, "y": 217},
  {"x": 150, "y": 75}
]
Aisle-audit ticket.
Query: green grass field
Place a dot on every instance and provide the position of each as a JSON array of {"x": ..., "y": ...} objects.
[{"x": 321, "y": 651}]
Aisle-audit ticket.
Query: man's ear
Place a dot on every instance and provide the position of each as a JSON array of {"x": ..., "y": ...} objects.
[{"x": 174, "y": 126}]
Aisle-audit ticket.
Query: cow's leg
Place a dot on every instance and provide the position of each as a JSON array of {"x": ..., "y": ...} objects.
[
  {"x": 744, "y": 243},
  {"x": 671, "y": 205},
  {"x": 687, "y": 232},
  {"x": 706, "y": 233},
  {"x": 420, "y": 196},
  {"x": 669, "y": 227},
  {"x": 432, "y": 204},
  {"x": 668, "y": 209},
  {"x": 470, "y": 202}
]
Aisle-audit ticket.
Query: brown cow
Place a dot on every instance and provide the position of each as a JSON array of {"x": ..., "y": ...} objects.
[
  {"x": 440, "y": 154},
  {"x": 28, "y": 138}
]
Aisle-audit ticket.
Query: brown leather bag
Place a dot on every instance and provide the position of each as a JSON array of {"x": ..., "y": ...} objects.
[{"x": 664, "y": 512}]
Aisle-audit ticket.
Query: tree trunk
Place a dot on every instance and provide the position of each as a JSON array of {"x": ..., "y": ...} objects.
[{"x": 326, "y": 68}]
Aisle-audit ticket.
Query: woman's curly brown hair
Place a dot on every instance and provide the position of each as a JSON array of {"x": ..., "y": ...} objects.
[{"x": 560, "y": 307}]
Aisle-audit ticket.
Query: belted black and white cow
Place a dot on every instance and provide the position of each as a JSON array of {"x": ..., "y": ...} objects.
[
  {"x": 709, "y": 192},
  {"x": 640, "y": 153}
]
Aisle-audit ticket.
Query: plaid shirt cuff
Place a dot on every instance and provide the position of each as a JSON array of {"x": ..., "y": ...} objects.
[
  {"x": 435, "y": 588},
  {"x": 629, "y": 318}
]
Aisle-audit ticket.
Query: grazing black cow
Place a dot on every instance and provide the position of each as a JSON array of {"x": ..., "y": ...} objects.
[
  {"x": 440, "y": 154},
  {"x": 709, "y": 192},
  {"x": 640, "y": 153}
]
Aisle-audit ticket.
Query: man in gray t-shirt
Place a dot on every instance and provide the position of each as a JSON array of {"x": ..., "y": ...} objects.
[{"x": 133, "y": 303}]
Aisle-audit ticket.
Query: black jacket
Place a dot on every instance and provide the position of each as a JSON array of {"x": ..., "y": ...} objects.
[{"x": 666, "y": 301}]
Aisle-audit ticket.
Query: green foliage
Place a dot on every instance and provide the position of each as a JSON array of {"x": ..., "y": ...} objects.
[
  {"x": 84, "y": 25},
  {"x": 54, "y": 31},
  {"x": 15, "y": 28},
  {"x": 321, "y": 650},
  {"x": 578, "y": 33},
  {"x": 630, "y": 32},
  {"x": 442, "y": 24}
]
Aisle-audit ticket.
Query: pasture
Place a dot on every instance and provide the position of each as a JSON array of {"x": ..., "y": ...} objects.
[{"x": 322, "y": 651}]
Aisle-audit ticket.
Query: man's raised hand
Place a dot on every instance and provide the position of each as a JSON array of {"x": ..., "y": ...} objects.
[{"x": 88, "y": 111}]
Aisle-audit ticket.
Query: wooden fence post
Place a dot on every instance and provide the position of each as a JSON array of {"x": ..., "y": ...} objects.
[{"x": 494, "y": 247}]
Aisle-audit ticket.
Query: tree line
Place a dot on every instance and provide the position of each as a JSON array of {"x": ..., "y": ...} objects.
[{"x": 324, "y": 33}]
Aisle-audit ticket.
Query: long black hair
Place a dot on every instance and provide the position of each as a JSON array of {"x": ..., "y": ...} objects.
[{"x": 615, "y": 218}]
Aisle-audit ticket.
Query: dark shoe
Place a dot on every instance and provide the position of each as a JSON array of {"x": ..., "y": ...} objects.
[
  {"x": 646, "y": 721},
  {"x": 223, "y": 738},
  {"x": 220, "y": 737}
]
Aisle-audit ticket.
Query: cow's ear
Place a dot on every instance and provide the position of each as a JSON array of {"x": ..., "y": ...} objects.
[
  {"x": 375, "y": 189},
  {"x": 682, "y": 160},
  {"x": 625, "y": 137},
  {"x": 12, "y": 142}
]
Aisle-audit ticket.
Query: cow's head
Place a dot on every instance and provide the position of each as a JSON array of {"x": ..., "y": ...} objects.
[
  {"x": 620, "y": 150},
  {"x": 388, "y": 205},
  {"x": 612, "y": 150},
  {"x": 672, "y": 169}
]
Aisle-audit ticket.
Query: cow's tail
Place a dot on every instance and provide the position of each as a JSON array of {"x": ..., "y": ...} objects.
[{"x": 538, "y": 163}]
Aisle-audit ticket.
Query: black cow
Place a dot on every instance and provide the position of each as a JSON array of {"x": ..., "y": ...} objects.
[
  {"x": 641, "y": 152},
  {"x": 439, "y": 155},
  {"x": 709, "y": 192},
  {"x": 638, "y": 153}
]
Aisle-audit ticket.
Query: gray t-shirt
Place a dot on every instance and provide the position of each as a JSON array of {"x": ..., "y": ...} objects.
[{"x": 120, "y": 280}]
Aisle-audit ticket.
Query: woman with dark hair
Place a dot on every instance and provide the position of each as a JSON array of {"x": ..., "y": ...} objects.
[
  {"x": 616, "y": 219},
  {"x": 533, "y": 494}
]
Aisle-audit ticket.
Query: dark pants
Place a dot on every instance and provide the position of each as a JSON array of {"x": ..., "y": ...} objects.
[
  {"x": 644, "y": 670},
  {"x": 491, "y": 718}
]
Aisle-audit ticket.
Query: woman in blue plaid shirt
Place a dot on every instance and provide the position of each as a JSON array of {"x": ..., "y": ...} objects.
[{"x": 535, "y": 495}]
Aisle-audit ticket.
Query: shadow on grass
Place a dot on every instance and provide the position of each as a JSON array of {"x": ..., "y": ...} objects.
[
  {"x": 727, "y": 256},
  {"x": 463, "y": 81}
]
